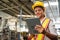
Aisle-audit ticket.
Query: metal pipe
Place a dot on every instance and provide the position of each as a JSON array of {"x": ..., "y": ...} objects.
[{"x": 20, "y": 18}]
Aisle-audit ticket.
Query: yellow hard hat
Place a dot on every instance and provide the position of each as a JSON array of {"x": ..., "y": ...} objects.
[{"x": 37, "y": 3}]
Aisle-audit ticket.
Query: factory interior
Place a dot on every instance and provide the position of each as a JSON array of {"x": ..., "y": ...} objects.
[{"x": 14, "y": 12}]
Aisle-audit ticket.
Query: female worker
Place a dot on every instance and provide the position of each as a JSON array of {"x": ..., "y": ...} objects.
[{"x": 47, "y": 30}]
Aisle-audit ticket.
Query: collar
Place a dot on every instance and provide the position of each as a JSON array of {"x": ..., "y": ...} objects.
[{"x": 43, "y": 20}]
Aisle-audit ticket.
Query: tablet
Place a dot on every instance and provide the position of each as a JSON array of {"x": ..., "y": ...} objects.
[{"x": 31, "y": 23}]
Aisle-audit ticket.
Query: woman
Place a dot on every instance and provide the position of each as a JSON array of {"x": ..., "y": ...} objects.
[{"x": 47, "y": 31}]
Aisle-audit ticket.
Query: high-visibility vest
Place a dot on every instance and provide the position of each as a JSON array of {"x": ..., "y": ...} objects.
[{"x": 44, "y": 25}]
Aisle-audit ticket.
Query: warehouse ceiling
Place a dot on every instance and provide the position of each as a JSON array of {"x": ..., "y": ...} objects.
[{"x": 13, "y": 7}]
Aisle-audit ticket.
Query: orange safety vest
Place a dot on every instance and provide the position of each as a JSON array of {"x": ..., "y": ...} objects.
[{"x": 44, "y": 25}]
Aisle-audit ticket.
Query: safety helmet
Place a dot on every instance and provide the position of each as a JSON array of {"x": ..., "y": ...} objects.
[{"x": 37, "y": 3}]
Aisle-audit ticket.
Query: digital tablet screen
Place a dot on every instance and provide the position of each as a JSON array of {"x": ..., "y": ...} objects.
[{"x": 31, "y": 23}]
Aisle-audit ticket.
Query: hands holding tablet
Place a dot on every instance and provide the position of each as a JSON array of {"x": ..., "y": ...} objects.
[{"x": 40, "y": 29}]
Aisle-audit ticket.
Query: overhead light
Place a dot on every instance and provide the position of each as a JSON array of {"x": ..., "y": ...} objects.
[
  {"x": 26, "y": 15},
  {"x": 18, "y": 15}
]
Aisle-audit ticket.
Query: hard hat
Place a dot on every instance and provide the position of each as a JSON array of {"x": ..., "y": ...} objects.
[{"x": 37, "y": 3}]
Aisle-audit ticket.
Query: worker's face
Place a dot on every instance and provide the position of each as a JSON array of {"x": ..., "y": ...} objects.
[{"x": 38, "y": 12}]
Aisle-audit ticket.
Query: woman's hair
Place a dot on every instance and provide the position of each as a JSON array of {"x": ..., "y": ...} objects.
[{"x": 40, "y": 7}]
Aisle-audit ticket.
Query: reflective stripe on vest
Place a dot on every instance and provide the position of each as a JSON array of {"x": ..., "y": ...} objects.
[{"x": 44, "y": 25}]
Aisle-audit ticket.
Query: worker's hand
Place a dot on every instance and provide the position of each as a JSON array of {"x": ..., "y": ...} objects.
[{"x": 39, "y": 28}]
